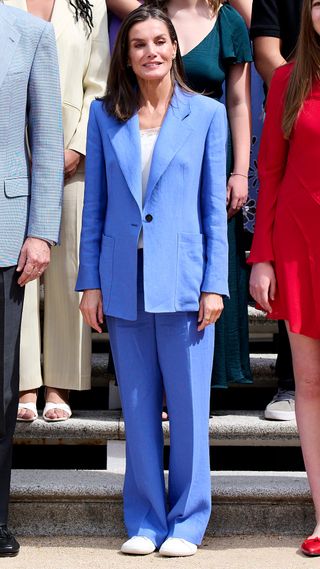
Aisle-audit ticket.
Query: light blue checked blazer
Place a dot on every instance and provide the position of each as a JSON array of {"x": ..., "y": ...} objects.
[{"x": 30, "y": 204}]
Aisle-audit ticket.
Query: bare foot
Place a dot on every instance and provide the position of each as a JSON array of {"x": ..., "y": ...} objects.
[
  {"x": 27, "y": 397},
  {"x": 54, "y": 395}
]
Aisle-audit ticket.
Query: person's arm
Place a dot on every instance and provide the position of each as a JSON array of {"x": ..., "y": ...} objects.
[
  {"x": 267, "y": 57},
  {"x": 45, "y": 135},
  {"x": 239, "y": 114},
  {"x": 213, "y": 205},
  {"x": 244, "y": 7},
  {"x": 214, "y": 221},
  {"x": 266, "y": 35},
  {"x": 122, "y": 8},
  {"x": 94, "y": 207},
  {"x": 271, "y": 167}
]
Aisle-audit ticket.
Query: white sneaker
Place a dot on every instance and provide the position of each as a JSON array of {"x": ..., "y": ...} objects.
[
  {"x": 282, "y": 406},
  {"x": 138, "y": 545},
  {"x": 177, "y": 547}
]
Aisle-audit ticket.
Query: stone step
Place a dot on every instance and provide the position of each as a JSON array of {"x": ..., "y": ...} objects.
[
  {"x": 226, "y": 428},
  {"x": 67, "y": 502},
  {"x": 262, "y": 366},
  {"x": 258, "y": 321}
]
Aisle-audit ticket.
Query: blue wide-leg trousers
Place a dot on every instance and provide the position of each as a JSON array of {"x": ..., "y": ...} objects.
[{"x": 160, "y": 352}]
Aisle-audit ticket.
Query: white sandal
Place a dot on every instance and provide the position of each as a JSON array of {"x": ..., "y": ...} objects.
[
  {"x": 49, "y": 406},
  {"x": 31, "y": 407}
]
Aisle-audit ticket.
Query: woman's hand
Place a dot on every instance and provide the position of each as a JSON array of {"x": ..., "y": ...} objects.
[
  {"x": 263, "y": 284},
  {"x": 91, "y": 308},
  {"x": 237, "y": 194},
  {"x": 71, "y": 163},
  {"x": 211, "y": 306}
]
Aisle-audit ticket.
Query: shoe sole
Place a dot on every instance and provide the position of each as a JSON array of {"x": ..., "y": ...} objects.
[
  {"x": 280, "y": 415},
  {"x": 308, "y": 554},
  {"x": 176, "y": 554},
  {"x": 9, "y": 554},
  {"x": 137, "y": 552}
]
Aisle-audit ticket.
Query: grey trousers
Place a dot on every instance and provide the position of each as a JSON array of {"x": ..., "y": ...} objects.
[{"x": 11, "y": 300}]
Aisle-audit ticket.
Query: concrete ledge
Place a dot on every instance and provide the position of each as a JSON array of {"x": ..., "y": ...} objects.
[
  {"x": 231, "y": 428},
  {"x": 84, "y": 427},
  {"x": 259, "y": 322},
  {"x": 90, "y": 503},
  {"x": 262, "y": 367},
  {"x": 99, "y": 374}
]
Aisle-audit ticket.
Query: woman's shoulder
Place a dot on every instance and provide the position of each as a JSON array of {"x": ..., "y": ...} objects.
[
  {"x": 229, "y": 16},
  {"x": 234, "y": 36},
  {"x": 284, "y": 71},
  {"x": 206, "y": 104},
  {"x": 278, "y": 86},
  {"x": 98, "y": 108},
  {"x": 282, "y": 74}
]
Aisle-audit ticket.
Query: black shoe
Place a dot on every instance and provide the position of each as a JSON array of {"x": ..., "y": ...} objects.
[{"x": 9, "y": 547}]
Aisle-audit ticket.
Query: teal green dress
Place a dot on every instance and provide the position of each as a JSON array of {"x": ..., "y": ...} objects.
[{"x": 206, "y": 67}]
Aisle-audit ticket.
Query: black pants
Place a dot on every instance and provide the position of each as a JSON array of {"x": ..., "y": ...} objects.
[
  {"x": 11, "y": 301},
  {"x": 284, "y": 369}
]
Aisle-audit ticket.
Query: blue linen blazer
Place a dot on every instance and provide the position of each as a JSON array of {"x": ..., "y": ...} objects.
[
  {"x": 183, "y": 219},
  {"x": 30, "y": 204}
]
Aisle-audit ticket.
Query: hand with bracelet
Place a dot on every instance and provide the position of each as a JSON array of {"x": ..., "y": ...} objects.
[{"x": 237, "y": 192}]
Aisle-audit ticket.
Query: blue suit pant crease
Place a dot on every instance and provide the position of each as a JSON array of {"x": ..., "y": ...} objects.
[{"x": 157, "y": 352}]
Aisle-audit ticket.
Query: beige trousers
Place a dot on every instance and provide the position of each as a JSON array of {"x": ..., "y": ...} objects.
[{"x": 66, "y": 339}]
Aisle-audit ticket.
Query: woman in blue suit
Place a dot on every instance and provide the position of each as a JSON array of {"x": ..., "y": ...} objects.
[{"x": 154, "y": 260}]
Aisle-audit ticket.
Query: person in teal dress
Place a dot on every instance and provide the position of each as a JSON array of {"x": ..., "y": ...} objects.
[
  {"x": 216, "y": 49},
  {"x": 206, "y": 67}
]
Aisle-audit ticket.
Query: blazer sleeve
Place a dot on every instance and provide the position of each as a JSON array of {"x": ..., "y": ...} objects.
[
  {"x": 271, "y": 167},
  {"x": 94, "y": 208},
  {"x": 95, "y": 77},
  {"x": 213, "y": 205},
  {"x": 45, "y": 136}
]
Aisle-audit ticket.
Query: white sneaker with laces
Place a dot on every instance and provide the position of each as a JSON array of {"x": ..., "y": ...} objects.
[
  {"x": 138, "y": 545},
  {"x": 177, "y": 547},
  {"x": 282, "y": 406}
]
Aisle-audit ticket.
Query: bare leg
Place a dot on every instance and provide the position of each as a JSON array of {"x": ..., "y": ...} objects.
[{"x": 306, "y": 365}]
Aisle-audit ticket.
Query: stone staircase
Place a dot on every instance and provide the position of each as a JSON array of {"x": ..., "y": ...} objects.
[{"x": 266, "y": 492}]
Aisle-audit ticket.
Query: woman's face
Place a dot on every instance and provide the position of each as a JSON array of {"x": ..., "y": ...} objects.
[
  {"x": 315, "y": 15},
  {"x": 151, "y": 50}
]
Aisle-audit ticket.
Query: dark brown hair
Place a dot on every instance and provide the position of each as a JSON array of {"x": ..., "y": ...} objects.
[
  {"x": 122, "y": 96},
  {"x": 306, "y": 69}
]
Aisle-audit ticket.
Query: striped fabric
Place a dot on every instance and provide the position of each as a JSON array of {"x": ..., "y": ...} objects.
[{"x": 30, "y": 102}]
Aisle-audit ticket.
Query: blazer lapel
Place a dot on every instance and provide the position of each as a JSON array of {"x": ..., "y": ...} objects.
[
  {"x": 125, "y": 140},
  {"x": 9, "y": 38},
  {"x": 173, "y": 134}
]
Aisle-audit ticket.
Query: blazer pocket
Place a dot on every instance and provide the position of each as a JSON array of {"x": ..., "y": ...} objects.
[
  {"x": 106, "y": 269},
  {"x": 17, "y": 187},
  {"x": 190, "y": 270}
]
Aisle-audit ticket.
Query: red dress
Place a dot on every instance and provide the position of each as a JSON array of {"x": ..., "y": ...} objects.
[{"x": 287, "y": 230}]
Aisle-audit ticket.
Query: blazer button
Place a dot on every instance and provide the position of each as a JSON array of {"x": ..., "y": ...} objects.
[{"x": 148, "y": 217}]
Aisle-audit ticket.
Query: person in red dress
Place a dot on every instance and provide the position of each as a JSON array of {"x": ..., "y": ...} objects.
[{"x": 285, "y": 278}]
